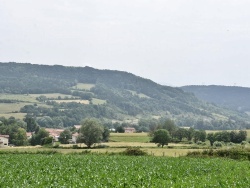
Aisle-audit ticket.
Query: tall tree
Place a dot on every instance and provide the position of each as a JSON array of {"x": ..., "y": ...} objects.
[
  {"x": 65, "y": 136},
  {"x": 31, "y": 124},
  {"x": 161, "y": 136},
  {"x": 170, "y": 126},
  {"x": 39, "y": 137},
  {"x": 91, "y": 132},
  {"x": 211, "y": 138}
]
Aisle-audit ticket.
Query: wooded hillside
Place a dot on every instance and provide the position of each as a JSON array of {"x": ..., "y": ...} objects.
[{"x": 106, "y": 94}]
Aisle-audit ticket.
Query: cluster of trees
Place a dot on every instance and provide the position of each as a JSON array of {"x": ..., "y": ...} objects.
[
  {"x": 169, "y": 132},
  {"x": 91, "y": 132},
  {"x": 17, "y": 129},
  {"x": 40, "y": 137},
  {"x": 68, "y": 114},
  {"x": 226, "y": 136},
  {"x": 177, "y": 134}
]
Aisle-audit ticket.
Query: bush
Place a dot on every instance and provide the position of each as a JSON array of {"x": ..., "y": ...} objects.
[
  {"x": 244, "y": 143},
  {"x": 101, "y": 146},
  {"x": 233, "y": 153},
  {"x": 230, "y": 144},
  {"x": 201, "y": 143},
  {"x": 134, "y": 151},
  {"x": 217, "y": 144}
]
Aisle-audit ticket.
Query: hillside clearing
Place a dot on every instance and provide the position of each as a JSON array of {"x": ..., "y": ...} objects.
[{"x": 83, "y": 86}]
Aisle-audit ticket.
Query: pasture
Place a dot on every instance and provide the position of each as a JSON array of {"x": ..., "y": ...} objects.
[
  {"x": 83, "y": 86},
  {"x": 98, "y": 101},
  {"x": 15, "y": 115},
  {"x": 6, "y": 108},
  {"x": 51, "y": 95},
  {"x": 129, "y": 137},
  {"x": 141, "y": 95},
  {"x": 86, "y": 170}
]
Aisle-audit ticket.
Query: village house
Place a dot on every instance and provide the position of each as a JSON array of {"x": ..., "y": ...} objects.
[
  {"x": 54, "y": 133},
  {"x": 129, "y": 130},
  {"x": 29, "y": 135},
  {"x": 4, "y": 141},
  {"x": 77, "y": 127},
  {"x": 74, "y": 138}
]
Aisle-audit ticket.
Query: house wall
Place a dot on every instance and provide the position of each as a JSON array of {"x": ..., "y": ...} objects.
[
  {"x": 129, "y": 130},
  {"x": 4, "y": 142}
]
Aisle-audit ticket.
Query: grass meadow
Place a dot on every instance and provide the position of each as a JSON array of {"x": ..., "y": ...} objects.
[
  {"x": 129, "y": 137},
  {"x": 6, "y": 108},
  {"x": 83, "y": 86}
]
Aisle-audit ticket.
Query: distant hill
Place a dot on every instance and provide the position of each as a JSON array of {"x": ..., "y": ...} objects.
[
  {"x": 104, "y": 94},
  {"x": 236, "y": 98}
]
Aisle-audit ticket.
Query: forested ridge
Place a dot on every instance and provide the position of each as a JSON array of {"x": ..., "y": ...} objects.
[
  {"x": 234, "y": 97},
  {"x": 126, "y": 96}
]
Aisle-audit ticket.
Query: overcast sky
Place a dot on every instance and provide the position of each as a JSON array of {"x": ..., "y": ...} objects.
[{"x": 172, "y": 42}]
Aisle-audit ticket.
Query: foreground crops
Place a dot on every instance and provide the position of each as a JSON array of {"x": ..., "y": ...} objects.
[{"x": 37, "y": 170}]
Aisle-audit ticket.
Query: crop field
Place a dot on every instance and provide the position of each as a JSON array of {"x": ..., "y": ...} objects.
[{"x": 79, "y": 170}]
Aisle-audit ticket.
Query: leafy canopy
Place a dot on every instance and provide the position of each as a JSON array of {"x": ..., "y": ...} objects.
[
  {"x": 161, "y": 137},
  {"x": 91, "y": 132}
]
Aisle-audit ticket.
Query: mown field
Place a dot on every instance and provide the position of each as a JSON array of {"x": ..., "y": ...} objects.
[
  {"x": 79, "y": 170},
  {"x": 129, "y": 137},
  {"x": 10, "y": 109}
]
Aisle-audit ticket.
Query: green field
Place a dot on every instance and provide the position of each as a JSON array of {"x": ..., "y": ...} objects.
[
  {"x": 79, "y": 170},
  {"x": 98, "y": 101},
  {"x": 15, "y": 115},
  {"x": 11, "y": 107},
  {"x": 84, "y": 86},
  {"x": 18, "y": 97},
  {"x": 129, "y": 137},
  {"x": 51, "y": 95},
  {"x": 141, "y": 95}
]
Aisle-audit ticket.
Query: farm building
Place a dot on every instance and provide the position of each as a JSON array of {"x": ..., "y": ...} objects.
[
  {"x": 129, "y": 130},
  {"x": 4, "y": 141}
]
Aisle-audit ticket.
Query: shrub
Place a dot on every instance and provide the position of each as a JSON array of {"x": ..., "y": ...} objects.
[
  {"x": 101, "y": 146},
  {"x": 201, "y": 143},
  {"x": 217, "y": 144},
  {"x": 233, "y": 153},
  {"x": 244, "y": 143},
  {"x": 134, "y": 151}
]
